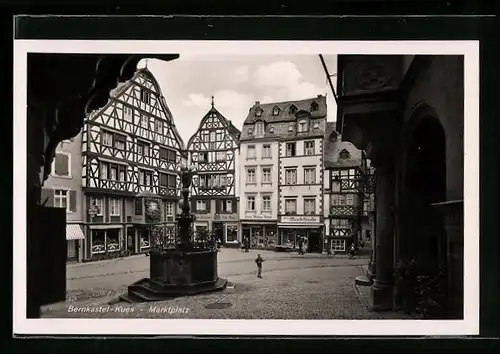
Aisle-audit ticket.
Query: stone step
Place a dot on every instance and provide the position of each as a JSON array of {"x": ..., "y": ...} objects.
[{"x": 363, "y": 280}]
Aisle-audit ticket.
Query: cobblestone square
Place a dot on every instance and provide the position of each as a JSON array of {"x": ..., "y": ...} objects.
[{"x": 312, "y": 286}]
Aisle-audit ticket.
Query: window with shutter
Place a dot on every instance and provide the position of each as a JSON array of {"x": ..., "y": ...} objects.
[
  {"x": 72, "y": 201},
  {"x": 62, "y": 165}
]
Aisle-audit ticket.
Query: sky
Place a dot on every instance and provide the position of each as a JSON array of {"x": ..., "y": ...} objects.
[{"x": 236, "y": 82}]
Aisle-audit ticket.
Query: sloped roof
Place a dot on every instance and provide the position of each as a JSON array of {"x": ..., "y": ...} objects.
[
  {"x": 284, "y": 112},
  {"x": 124, "y": 86},
  {"x": 334, "y": 150},
  {"x": 232, "y": 130}
]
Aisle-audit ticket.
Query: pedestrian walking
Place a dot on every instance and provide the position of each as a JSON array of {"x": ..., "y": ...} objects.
[
  {"x": 259, "y": 262},
  {"x": 301, "y": 244}
]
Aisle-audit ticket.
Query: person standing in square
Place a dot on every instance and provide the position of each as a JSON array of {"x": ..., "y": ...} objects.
[{"x": 259, "y": 262}]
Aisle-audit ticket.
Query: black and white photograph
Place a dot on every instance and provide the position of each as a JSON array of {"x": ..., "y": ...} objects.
[{"x": 301, "y": 185}]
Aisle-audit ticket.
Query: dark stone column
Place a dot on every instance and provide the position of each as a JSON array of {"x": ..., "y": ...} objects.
[{"x": 382, "y": 288}]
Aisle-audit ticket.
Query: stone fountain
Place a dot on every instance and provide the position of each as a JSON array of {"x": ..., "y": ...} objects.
[{"x": 189, "y": 268}]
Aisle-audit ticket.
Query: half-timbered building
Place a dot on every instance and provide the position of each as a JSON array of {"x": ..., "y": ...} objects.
[
  {"x": 130, "y": 149},
  {"x": 346, "y": 212},
  {"x": 213, "y": 151}
]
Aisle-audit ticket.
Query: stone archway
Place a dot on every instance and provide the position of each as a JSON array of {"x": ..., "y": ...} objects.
[{"x": 422, "y": 232}]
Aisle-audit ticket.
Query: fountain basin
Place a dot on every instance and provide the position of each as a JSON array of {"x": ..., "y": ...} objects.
[{"x": 175, "y": 273}]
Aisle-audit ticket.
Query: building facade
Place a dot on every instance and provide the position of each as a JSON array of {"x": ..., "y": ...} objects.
[
  {"x": 344, "y": 192},
  {"x": 214, "y": 151},
  {"x": 407, "y": 112},
  {"x": 259, "y": 171},
  {"x": 131, "y": 155},
  {"x": 63, "y": 189},
  {"x": 300, "y": 187}
]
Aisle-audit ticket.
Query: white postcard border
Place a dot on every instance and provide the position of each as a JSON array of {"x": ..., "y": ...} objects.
[{"x": 468, "y": 326}]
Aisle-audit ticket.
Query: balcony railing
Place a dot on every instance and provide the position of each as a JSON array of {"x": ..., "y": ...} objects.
[{"x": 343, "y": 210}]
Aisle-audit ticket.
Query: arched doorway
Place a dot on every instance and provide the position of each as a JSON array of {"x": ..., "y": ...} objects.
[{"x": 423, "y": 234}]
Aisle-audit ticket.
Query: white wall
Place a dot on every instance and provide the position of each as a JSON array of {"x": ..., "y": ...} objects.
[{"x": 258, "y": 190}]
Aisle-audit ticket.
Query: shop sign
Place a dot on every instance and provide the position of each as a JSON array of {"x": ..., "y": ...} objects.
[
  {"x": 225, "y": 217},
  {"x": 300, "y": 219},
  {"x": 204, "y": 217},
  {"x": 258, "y": 217}
]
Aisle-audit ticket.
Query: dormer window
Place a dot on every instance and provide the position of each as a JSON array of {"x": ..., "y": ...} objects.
[
  {"x": 344, "y": 154},
  {"x": 258, "y": 112},
  {"x": 276, "y": 111},
  {"x": 259, "y": 129},
  {"x": 314, "y": 106},
  {"x": 292, "y": 109}
]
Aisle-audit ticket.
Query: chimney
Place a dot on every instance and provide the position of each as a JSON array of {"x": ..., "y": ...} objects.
[
  {"x": 319, "y": 96},
  {"x": 257, "y": 103}
]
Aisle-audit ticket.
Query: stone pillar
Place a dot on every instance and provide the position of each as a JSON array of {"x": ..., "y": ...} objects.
[{"x": 382, "y": 288}]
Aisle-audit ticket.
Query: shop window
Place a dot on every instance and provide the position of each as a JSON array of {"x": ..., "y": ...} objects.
[
  {"x": 232, "y": 233},
  {"x": 112, "y": 240},
  {"x": 145, "y": 239},
  {"x": 98, "y": 241},
  {"x": 288, "y": 238},
  {"x": 338, "y": 245}
]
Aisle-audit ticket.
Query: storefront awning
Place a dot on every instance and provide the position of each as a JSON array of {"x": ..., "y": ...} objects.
[
  {"x": 300, "y": 226},
  {"x": 74, "y": 232}
]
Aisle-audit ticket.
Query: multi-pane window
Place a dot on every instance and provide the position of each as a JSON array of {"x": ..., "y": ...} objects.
[
  {"x": 266, "y": 151},
  {"x": 259, "y": 129},
  {"x": 145, "y": 96},
  {"x": 227, "y": 206},
  {"x": 221, "y": 155},
  {"x": 309, "y": 206},
  {"x": 169, "y": 209},
  {"x": 309, "y": 147},
  {"x": 251, "y": 176},
  {"x": 142, "y": 149},
  {"x": 310, "y": 175},
  {"x": 266, "y": 175},
  {"x": 158, "y": 126},
  {"x": 107, "y": 138},
  {"x": 251, "y": 152},
  {"x": 122, "y": 175},
  {"x": 338, "y": 199},
  {"x": 250, "y": 203},
  {"x": 164, "y": 153},
  {"x": 144, "y": 121},
  {"x": 223, "y": 181},
  {"x": 62, "y": 165},
  {"x": 338, "y": 245},
  {"x": 291, "y": 176},
  {"x": 114, "y": 206},
  {"x": 98, "y": 204},
  {"x": 290, "y": 149},
  {"x": 266, "y": 203},
  {"x": 104, "y": 170},
  {"x": 302, "y": 126},
  {"x": 276, "y": 111},
  {"x": 145, "y": 177},
  {"x": 204, "y": 136},
  {"x": 61, "y": 199},
  {"x": 120, "y": 142},
  {"x": 212, "y": 141},
  {"x": 113, "y": 172},
  {"x": 340, "y": 223},
  {"x": 290, "y": 206},
  {"x": 201, "y": 205},
  {"x": 202, "y": 157},
  {"x": 128, "y": 113}
]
